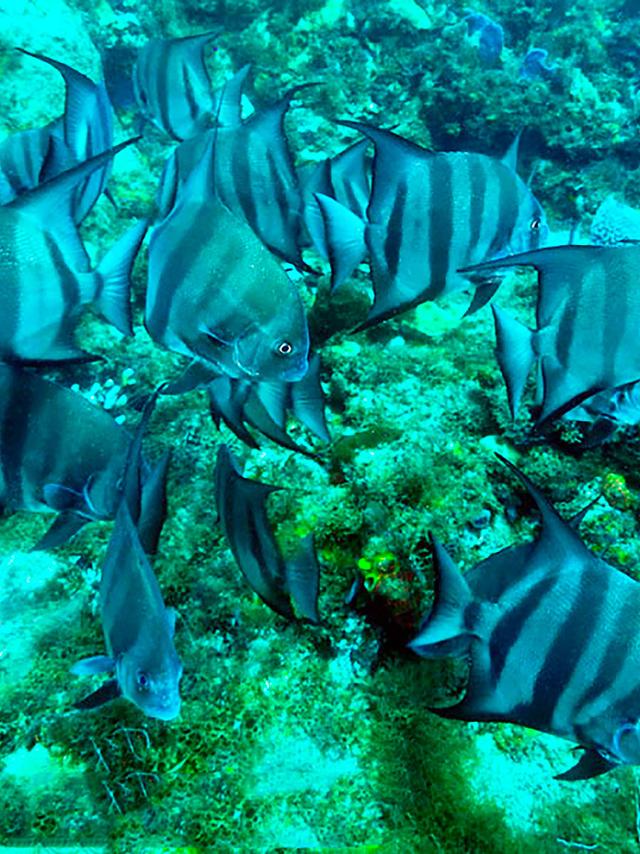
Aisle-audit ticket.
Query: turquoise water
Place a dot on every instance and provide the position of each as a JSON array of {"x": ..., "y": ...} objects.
[{"x": 293, "y": 735}]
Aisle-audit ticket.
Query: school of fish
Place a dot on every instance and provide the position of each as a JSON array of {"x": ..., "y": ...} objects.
[{"x": 552, "y": 633}]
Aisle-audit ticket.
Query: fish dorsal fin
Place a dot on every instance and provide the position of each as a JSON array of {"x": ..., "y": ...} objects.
[
  {"x": 345, "y": 238},
  {"x": 510, "y": 158},
  {"x": 228, "y": 100},
  {"x": 557, "y": 537},
  {"x": 226, "y": 403},
  {"x": 303, "y": 580},
  {"x": 307, "y": 401},
  {"x": 49, "y": 204},
  {"x": 446, "y": 620}
]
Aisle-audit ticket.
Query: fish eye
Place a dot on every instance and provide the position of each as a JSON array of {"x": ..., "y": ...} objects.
[
  {"x": 142, "y": 680},
  {"x": 285, "y": 348},
  {"x": 535, "y": 223}
]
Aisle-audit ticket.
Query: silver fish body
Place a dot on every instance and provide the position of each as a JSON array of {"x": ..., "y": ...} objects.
[
  {"x": 551, "y": 632},
  {"x": 217, "y": 294},
  {"x": 172, "y": 85},
  {"x": 429, "y": 215}
]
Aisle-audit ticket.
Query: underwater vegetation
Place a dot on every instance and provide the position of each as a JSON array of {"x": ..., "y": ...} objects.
[{"x": 296, "y": 193}]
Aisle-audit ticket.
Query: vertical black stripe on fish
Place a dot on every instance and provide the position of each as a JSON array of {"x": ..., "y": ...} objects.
[
  {"x": 477, "y": 191},
  {"x": 286, "y": 221},
  {"x": 189, "y": 93},
  {"x": 507, "y": 210},
  {"x": 162, "y": 76},
  {"x": 619, "y": 647},
  {"x": 241, "y": 175},
  {"x": 19, "y": 407},
  {"x": 394, "y": 233},
  {"x": 569, "y": 644},
  {"x": 564, "y": 337},
  {"x": 190, "y": 238},
  {"x": 508, "y": 629},
  {"x": 616, "y": 318},
  {"x": 11, "y": 313},
  {"x": 440, "y": 217},
  {"x": 69, "y": 287}
]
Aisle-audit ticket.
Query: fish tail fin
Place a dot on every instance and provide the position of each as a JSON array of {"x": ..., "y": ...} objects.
[
  {"x": 114, "y": 275},
  {"x": 516, "y": 354},
  {"x": 444, "y": 631},
  {"x": 345, "y": 238}
]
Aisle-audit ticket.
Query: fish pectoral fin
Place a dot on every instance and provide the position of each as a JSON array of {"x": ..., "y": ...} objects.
[
  {"x": 591, "y": 764},
  {"x": 108, "y": 691},
  {"x": 94, "y": 664},
  {"x": 61, "y": 497},
  {"x": 66, "y": 525},
  {"x": 483, "y": 293},
  {"x": 171, "y": 615}
]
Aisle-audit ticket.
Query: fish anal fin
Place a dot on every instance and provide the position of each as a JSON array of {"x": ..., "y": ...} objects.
[
  {"x": 65, "y": 526},
  {"x": 591, "y": 764},
  {"x": 104, "y": 694},
  {"x": 345, "y": 238},
  {"x": 515, "y": 352}
]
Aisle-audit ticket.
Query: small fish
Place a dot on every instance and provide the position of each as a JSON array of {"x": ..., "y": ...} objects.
[
  {"x": 172, "y": 85},
  {"x": 138, "y": 631},
  {"x": 615, "y": 223},
  {"x": 585, "y": 341},
  {"x": 87, "y": 130},
  {"x": 215, "y": 292},
  {"x": 551, "y": 632},
  {"x": 428, "y": 216},
  {"x": 252, "y": 172},
  {"x": 45, "y": 275},
  {"x": 242, "y": 512}
]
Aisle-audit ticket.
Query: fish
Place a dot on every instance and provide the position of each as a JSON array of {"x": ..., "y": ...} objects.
[
  {"x": 59, "y": 453},
  {"x": 252, "y": 173},
  {"x": 216, "y": 293},
  {"x": 87, "y": 130},
  {"x": 429, "y": 215},
  {"x": 287, "y": 587},
  {"x": 45, "y": 274},
  {"x": 551, "y": 633},
  {"x": 138, "y": 631},
  {"x": 172, "y": 85},
  {"x": 587, "y": 314}
]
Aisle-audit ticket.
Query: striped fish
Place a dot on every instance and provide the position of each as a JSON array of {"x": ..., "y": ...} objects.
[
  {"x": 551, "y": 632},
  {"x": 588, "y": 314},
  {"x": 428, "y": 216},
  {"x": 216, "y": 294},
  {"x": 60, "y": 453},
  {"x": 138, "y": 631},
  {"x": 87, "y": 130},
  {"x": 45, "y": 275},
  {"x": 252, "y": 175},
  {"x": 172, "y": 85},
  {"x": 281, "y": 584}
]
